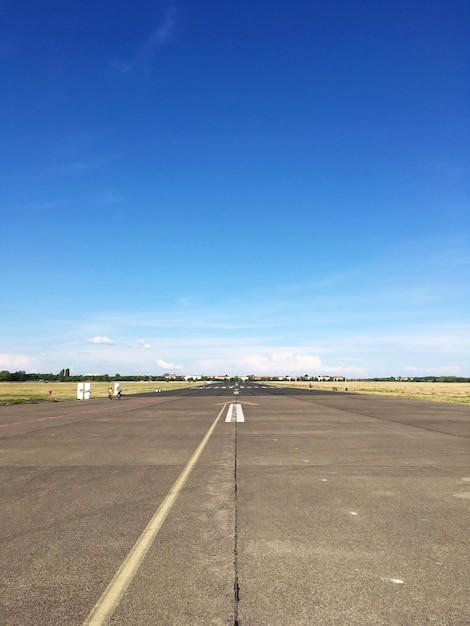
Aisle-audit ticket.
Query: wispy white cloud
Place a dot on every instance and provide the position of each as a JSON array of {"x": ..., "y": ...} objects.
[
  {"x": 443, "y": 340},
  {"x": 351, "y": 355},
  {"x": 110, "y": 198},
  {"x": 100, "y": 340},
  {"x": 166, "y": 365},
  {"x": 81, "y": 166},
  {"x": 174, "y": 318},
  {"x": 283, "y": 362},
  {"x": 442, "y": 370},
  {"x": 35, "y": 206},
  {"x": 444, "y": 167},
  {"x": 19, "y": 362},
  {"x": 335, "y": 335},
  {"x": 160, "y": 36},
  {"x": 276, "y": 363}
]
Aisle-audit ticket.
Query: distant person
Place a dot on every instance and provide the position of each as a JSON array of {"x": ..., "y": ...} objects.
[
  {"x": 118, "y": 392},
  {"x": 49, "y": 394},
  {"x": 110, "y": 393}
]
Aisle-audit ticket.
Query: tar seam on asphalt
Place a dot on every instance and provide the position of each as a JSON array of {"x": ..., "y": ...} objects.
[{"x": 236, "y": 586}]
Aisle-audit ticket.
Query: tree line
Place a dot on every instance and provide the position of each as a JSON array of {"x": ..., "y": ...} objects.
[
  {"x": 64, "y": 376},
  {"x": 420, "y": 379}
]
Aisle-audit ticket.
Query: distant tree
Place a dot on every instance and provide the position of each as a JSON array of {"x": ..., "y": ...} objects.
[{"x": 17, "y": 376}]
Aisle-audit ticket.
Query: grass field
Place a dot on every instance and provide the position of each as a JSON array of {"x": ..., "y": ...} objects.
[
  {"x": 23, "y": 393},
  {"x": 458, "y": 393}
]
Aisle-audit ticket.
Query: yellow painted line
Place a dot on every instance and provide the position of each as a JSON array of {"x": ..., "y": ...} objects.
[{"x": 111, "y": 597}]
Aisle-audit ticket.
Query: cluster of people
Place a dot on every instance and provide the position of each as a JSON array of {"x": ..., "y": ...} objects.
[{"x": 117, "y": 393}]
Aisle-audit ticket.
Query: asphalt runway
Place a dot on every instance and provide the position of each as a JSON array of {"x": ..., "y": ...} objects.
[{"x": 318, "y": 508}]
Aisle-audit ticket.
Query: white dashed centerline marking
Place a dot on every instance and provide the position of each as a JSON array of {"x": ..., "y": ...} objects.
[{"x": 235, "y": 413}]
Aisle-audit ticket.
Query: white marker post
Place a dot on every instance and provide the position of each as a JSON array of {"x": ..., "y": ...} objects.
[{"x": 83, "y": 391}]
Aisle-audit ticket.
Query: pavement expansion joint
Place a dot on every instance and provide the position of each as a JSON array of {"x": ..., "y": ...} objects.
[{"x": 236, "y": 586}]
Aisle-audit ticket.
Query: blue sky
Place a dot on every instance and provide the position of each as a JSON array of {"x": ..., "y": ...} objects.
[{"x": 245, "y": 187}]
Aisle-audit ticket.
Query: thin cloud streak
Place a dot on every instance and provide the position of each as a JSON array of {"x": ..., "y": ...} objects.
[{"x": 161, "y": 36}]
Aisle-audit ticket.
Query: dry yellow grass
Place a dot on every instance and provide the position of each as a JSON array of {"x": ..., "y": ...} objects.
[
  {"x": 18, "y": 392},
  {"x": 436, "y": 392}
]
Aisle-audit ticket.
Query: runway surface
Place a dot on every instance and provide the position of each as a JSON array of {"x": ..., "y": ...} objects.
[{"x": 318, "y": 508}]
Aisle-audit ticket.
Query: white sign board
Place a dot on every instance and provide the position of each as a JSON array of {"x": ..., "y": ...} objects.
[{"x": 83, "y": 391}]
